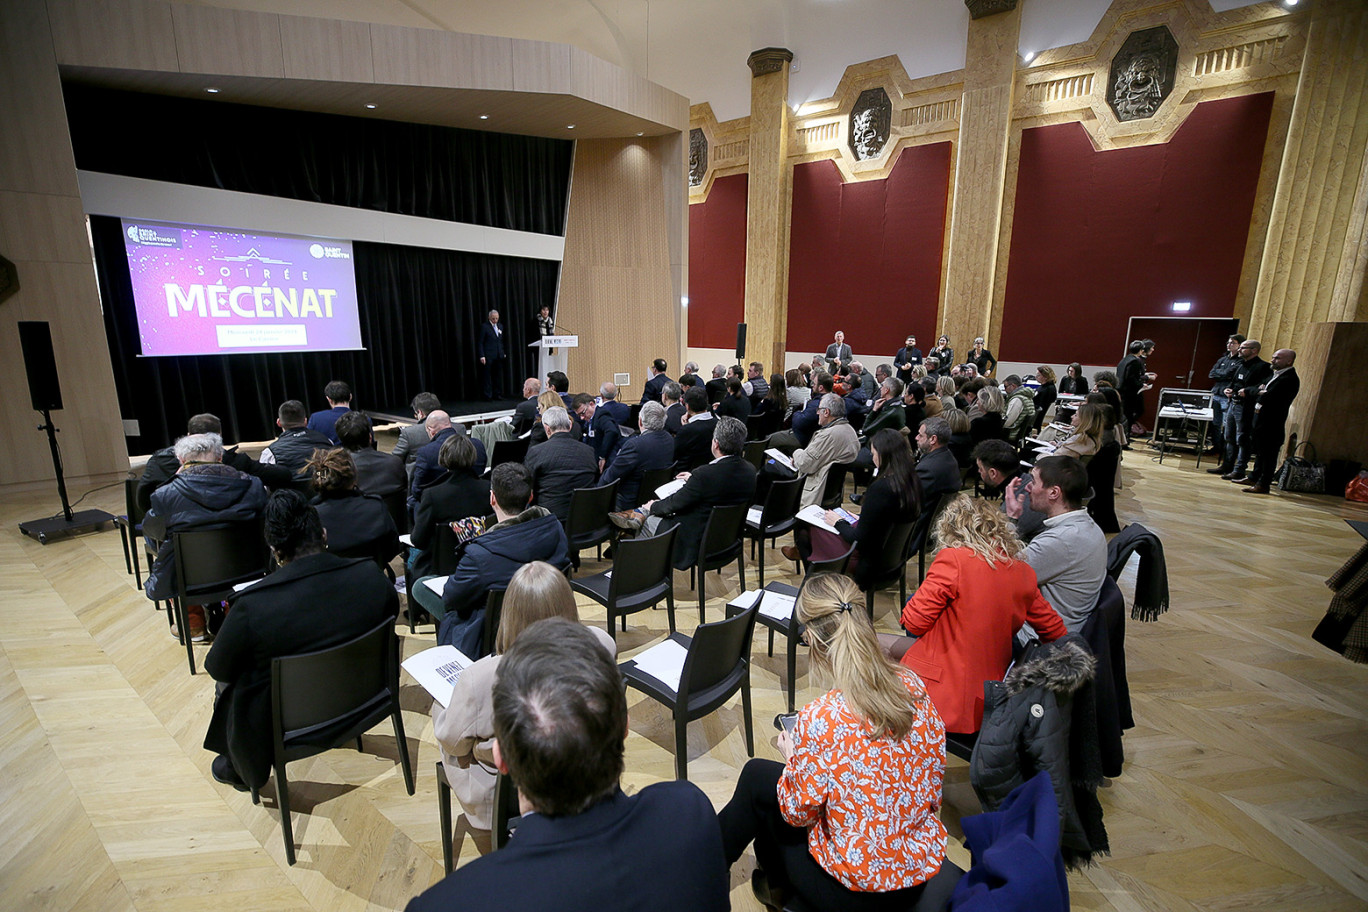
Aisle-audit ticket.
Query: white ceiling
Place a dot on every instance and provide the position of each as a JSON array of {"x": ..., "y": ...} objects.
[{"x": 698, "y": 48}]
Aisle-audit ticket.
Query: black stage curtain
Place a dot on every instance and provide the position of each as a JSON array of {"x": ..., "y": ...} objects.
[
  {"x": 421, "y": 312},
  {"x": 493, "y": 179}
]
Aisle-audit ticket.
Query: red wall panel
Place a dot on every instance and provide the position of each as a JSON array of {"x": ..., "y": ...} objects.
[
  {"x": 866, "y": 257},
  {"x": 717, "y": 264},
  {"x": 1099, "y": 237}
]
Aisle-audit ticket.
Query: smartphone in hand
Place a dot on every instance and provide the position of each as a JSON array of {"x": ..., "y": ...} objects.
[{"x": 786, "y": 721}]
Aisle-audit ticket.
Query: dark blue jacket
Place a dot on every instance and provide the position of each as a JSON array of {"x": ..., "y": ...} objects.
[
  {"x": 491, "y": 342},
  {"x": 621, "y": 411},
  {"x": 805, "y": 422},
  {"x": 325, "y": 422},
  {"x": 603, "y": 434},
  {"x": 426, "y": 468},
  {"x": 653, "y": 389},
  {"x": 1017, "y": 862},
  {"x": 199, "y": 497},
  {"x": 638, "y": 455}
]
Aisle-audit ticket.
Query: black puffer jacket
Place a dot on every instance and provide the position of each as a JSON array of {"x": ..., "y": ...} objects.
[
  {"x": 204, "y": 496},
  {"x": 1042, "y": 717}
]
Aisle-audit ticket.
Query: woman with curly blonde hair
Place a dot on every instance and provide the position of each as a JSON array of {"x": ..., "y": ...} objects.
[
  {"x": 850, "y": 820},
  {"x": 976, "y": 595}
]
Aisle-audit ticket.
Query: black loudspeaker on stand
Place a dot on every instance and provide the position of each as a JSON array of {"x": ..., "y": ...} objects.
[
  {"x": 740, "y": 342},
  {"x": 35, "y": 338}
]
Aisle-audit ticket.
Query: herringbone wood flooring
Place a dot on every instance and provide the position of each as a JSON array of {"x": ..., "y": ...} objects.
[{"x": 1246, "y": 784}]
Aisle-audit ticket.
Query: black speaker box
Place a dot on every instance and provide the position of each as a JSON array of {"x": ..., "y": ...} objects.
[
  {"x": 35, "y": 338},
  {"x": 740, "y": 341}
]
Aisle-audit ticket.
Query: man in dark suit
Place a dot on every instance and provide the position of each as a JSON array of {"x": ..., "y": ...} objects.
[
  {"x": 908, "y": 357},
  {"x": 621, "y": 412},
  {"x": 693, "y": 443},
  {"x": 1239, "y": 418},
  {"x": 376, "y": 473},
  {"x": 560, "y": 464},
  {"x": 492, "y": 357},
  {"x": 727, "y": 480},
  {"x": 427, "y": 467},
  {"x": 339, "y": 396},
  {"x": 651, "y": 449},
  {"x": 936, "y": 465},
  {"x": 601, "y": 428},
  {"x": 1270, "y": 418},
  {"x": 656, "y": 383},
  {"x": 716, "y": 388},
  {"x": 560, "y": 723},
  {"x": 313, "y": 601},
  {"x": 525, "y": 412},
  {"x": 838, "y": 353},
  {"x": 672, "y": 398},
  {"x": 804, "y": 423}
]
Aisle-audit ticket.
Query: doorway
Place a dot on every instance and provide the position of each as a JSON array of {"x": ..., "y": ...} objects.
[{"x": 1185, "y": 348}]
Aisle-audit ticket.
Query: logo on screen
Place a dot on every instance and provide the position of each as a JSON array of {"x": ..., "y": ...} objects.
[
  {"x": 154, "y": 237},
  {"x": 321, "y": 252}
]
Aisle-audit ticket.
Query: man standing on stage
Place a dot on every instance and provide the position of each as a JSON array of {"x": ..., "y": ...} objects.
[{"x": 492, "y": 357}]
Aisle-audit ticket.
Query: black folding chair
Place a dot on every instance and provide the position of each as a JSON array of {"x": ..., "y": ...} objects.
[
  {"x": 587, "y": 525},
  {"x": 789, "y": 627},
  {"x": 396, "y": 503},
  {"x": 924, "y": 531},
  {"x": 506, "y": 814},
  {"x": 834, "y": 492},
  {"x": 720, "y": 546},
  {"x": 777, "y": 517},
  {"x": 209, "y": 563},
  {"x": 130, "y": 530},
  {"x": 489, "y": 630},
  {"x": 642, "y": 575},
  {"x": 650, "y": 480},
  {"x": 887, "y": 564},
  {"x": 509, "y": 451},
  {"x": 716, "y": 667},
  {"x": 321, "y": 700}
]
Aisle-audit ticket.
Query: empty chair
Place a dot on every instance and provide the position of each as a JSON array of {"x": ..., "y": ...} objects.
[
  {"x": 755, "y": 453},
  {"x": 777, "y": 517},
  {"x": 322, "y": 700},
  {"x": 923, "y": 531},
  {"x": 789, "y": 627},
  {"x": 887, "y": 564},
  {"x": 642, "y": 575},
  {"x": 209, "y": 563},
  {"x": 588, "y": 525},
  {"x": 509, "y": 451},
  {"x": 720, "y": 546},
  {"x": 715, "y": 668},
  {"x": 130, "y": 530}
]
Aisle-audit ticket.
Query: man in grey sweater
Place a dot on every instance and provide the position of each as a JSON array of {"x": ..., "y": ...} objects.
[{"x": 1069, "y": 555}]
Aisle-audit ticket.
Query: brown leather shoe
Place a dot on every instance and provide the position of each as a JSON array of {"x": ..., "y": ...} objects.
[
  {"x": 791, "y": 553},
  {"x": 1258, "y": 489},
  {"x": 627, "y": 519}
]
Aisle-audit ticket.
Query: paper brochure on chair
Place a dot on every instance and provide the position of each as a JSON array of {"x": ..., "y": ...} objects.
[
  {"x": 437, "y": 670},
  {"x": 774, "y": 605},
  {"x": 664, "y": 662},
  {"x": 814, "y": 514},
  {"x": 781, "y": 458}
]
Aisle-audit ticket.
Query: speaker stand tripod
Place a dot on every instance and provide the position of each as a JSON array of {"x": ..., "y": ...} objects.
[{"x": 68, "y": 522}]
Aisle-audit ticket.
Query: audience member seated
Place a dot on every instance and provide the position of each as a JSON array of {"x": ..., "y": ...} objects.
[
  {"x": 1046, "y": 395},
  {"x": 988, "y": 426},
  {"x": 672, "y": 397},
  {"x": 1089, "y": 424},
  {"x": 356, "y": 524},
  {"x": 734, "y": 404},
  {"x": 651, "y": 449},
  {"x": 557, "y": 382},
  {"x": 314, "y": 600},
  {"x": 998, "y": 465},
  {"x": 525, "y": 412},
  {"x": 523, "y": 533},
  {"x": 862, "y": 380},
  {"x": 946, "y": 389},
  {"x": 1021, "y": 409},
  {"x": 887, "y": 411},
  {"x": 797, "y": 390},
  {"x": 413, "y": 437},
  {"x": 339, "y": 396},
  {"x": 377, "y": 473},
  {"x": 205, "y": 494},
  {"x": 932, "y": 403},
  {"x": 1112, "y": 416},
  {"x": 693, "y": 442},
  {"x": 560, "y": 465},
  {"x": 690, "y": 370},
  {"x": 970, "y": 390},
  {"x": 427, "y": 469},
  {"x": 460, "y": 495},
  {"x": 1076, "y": 383},
  {"x": 914, "y": 405},
  {"x": 976, "y": 595},
  {"x": 834, "y": 443},
  {"x": 620, "y": 412},
  {"x": 464, "y": 728},
  {"x": 656, "y": 381},
  {"x": 582, "y": 845},
  {"x": 163, "y": 465},
  {"x": 936, "y": 466},
  {"x": 716, "y": 388},
  {"x": 754, "y": 386},
  {"x": 775, "y": 402},
  {"x": 850, "y": 820},
  {"x": 1069, "y": 555},
  {"x": 961, "y": 443},
  {"x": 549, "y": 400},
  {"x": 805, "y": 422},
  {"x": 726, "y": 481},
  {"x": 601, "y": 428},
  {"x": 893, "y": 497},
  {"x": 295, "y": 446},
  {"x": 1104, "y": 384}
]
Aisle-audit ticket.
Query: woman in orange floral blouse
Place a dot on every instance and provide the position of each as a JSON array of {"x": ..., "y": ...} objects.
[{"x": 851, "y": 819}]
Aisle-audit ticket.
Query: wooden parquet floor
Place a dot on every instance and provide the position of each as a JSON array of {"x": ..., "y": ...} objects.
[{"x": 1246, "y": 785}]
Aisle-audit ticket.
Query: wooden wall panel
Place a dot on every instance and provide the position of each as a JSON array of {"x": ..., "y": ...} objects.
[
  {"x": 228, "y": 42},
  {"x": 326, "y": 49},
  {"x": 616, "y": 287},
  {"x": 127, "y": 34},
  {"x": 1330, "y": 361}
]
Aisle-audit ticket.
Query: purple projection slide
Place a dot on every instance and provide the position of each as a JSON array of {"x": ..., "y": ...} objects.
[{"x": 211, "y": 291}]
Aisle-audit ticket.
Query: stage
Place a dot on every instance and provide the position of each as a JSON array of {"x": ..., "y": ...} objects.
[{"x": 462, "y": 411}]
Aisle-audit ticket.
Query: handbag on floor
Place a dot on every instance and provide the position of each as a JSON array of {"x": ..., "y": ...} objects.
[{"x": 1302, "y": 474}]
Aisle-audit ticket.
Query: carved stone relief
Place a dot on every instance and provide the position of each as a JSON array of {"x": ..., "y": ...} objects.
[
  {"x": 1142, "y": 73},
  {"x": 698, "y": 157},
  {"x": 869, "y": 123}
]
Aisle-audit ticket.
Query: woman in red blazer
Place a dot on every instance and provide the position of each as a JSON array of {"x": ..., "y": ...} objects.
[{"x": 976, "y": 595}]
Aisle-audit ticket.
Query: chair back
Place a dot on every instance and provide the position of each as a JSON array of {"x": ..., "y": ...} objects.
[
  {"x": 642, "y": 568},
  {"x": 781, "y": 503},
  {"x": 926, "y": 522},
  {"x": 722, "y": 537},
  {"x": 718, "y": 650},
  {"x": 396, "y": 503},
  {"x": 650, "y": 480},
  {"x": 509, "y": 451},
  {"x": 837, "y": 564},
  {"x": 493, "y": 614},
  {"x": 319, "y": 698},
  {"x": 588, "y": 524},
  {"x": 209, "y": 562},
  {"x": 444, "y": 559},
  {"x": 131, "y": 509},
  {"x": 507, "y": 810},
  {"x": 834, "y": 492},
  {"x": 890, "y": 558},
  {"x": 755, "y": 453}
]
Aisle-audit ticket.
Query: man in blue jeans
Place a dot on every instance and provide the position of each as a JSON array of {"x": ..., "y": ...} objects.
[{"x": 1222, "y": 372}]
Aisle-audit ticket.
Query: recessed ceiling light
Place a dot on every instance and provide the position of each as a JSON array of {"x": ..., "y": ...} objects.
[
  {"x": 1028, "y": 56},
  {"x": 569, "y": 126},
  {"x": 484, "y": 117},
  {"x": 370, "y": 106},
  {"x": 212, "y": 91}
]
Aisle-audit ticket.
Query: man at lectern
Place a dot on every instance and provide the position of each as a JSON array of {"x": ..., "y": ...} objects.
[{"x": 492, "y": 357}]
